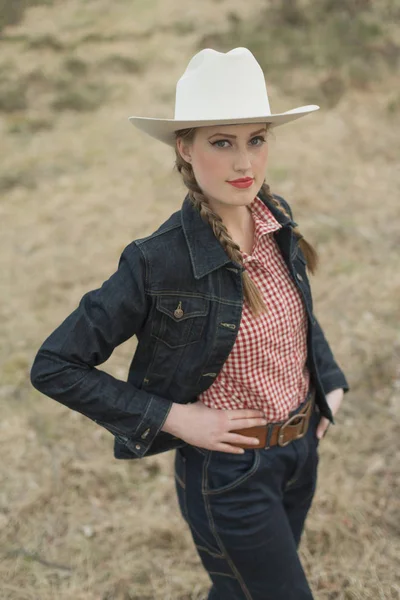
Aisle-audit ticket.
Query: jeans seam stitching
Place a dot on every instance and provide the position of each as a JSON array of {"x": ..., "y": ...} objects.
[
  {"x": 216, "y": 536},
  {"x": 180, "y": 481},
  {"x": 186, "y": 511},
  {"x": 207, "y": 545},
  {"x": 205, "y": 549},
  {"x": 223, "y": 574},
  {"x": 239, "y": 481}
]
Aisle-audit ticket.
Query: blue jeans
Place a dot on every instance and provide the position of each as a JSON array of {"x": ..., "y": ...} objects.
[{"x": 246, "y": 514}]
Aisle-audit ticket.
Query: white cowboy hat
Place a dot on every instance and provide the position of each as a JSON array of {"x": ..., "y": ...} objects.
[{"x": 219, "y": 88}]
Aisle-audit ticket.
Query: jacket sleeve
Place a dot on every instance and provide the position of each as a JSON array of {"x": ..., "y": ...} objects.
[
  {"x": 332, "y": 376},
  {"x": 65, "y": 365}
]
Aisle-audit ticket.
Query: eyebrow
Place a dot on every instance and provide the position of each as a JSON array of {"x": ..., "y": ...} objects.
[{"x": 234, "y": 136}]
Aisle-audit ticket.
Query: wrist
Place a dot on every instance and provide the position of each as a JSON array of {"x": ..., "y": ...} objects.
[{"x": 174, "y": 420}]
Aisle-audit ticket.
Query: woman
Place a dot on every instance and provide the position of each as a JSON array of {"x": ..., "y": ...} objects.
[{"x": 232, "y": 368}]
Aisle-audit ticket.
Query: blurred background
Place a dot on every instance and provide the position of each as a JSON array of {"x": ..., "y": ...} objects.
[{"x": 78, "y": 183}]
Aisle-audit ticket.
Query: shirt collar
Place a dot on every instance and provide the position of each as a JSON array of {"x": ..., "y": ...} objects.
[
  {"x": 205, "y": 251},
  {"x": 264, "y": 220}
]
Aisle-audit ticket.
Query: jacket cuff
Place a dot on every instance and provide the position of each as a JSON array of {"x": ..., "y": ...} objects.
[
  {"x": 333, "y": 380},
  {"x": 150, "y": 425}
]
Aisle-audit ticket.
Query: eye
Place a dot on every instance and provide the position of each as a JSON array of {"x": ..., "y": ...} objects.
[
  {"x": 258, "y": 137},
  {"x": 219, "y": 142}
]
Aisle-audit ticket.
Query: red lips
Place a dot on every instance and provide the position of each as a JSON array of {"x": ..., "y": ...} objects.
[{"x": 244, "y": 182}]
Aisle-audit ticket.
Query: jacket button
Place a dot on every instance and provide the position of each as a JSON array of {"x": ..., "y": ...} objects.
[
  {"x": 138, "y": 446},
  {"x": 178, "y": 312},
  {"x": 299, "y": 276}
]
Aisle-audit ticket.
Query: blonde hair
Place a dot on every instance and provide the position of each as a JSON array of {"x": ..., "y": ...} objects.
[{"x": 252, "y": 294}]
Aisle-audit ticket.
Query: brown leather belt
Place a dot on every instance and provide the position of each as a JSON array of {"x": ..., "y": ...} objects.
[{"x": 283, "y": 433}]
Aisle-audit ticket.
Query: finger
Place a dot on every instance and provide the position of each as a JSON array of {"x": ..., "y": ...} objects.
[
  {"x": 326, "y": 430},
  {"x": 229, "y": 449},
  {"x": 322, "y": 427},
  {"x": 244, "y": 423},
  {"x": 237, "y": 438},
  {"x": 244, "y": 413}
]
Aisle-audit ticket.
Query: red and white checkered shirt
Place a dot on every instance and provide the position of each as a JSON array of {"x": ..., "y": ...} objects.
[{"x": 266, "y": 368}]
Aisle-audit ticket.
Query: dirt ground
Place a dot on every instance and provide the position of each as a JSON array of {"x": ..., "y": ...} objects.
[{"x": 77, "y": 184}]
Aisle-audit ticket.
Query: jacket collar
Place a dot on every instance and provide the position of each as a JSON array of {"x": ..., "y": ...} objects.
[{"x": 205, "y": 251}]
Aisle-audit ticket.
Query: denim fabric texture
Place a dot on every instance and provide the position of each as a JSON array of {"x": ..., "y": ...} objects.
[
  {"x": 177, "y": 357},
  {"x": 246, "y": 514}
]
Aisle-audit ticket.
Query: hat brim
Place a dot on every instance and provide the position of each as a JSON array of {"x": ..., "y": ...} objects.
[{"x": 163, "y": 129}]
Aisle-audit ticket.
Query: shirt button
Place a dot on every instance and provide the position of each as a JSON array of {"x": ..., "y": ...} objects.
[{"x": 299, "y": 276}]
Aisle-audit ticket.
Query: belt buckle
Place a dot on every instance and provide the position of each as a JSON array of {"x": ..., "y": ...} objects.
[{"x": 302, "y": 431}]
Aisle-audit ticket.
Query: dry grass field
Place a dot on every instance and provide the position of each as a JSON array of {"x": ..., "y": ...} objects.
[{"x": 78, "y": 183}]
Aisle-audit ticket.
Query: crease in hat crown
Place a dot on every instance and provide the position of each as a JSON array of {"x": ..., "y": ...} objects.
[
  {"x": 212, "y": 77},
  {"x": 218, "y": 87}
]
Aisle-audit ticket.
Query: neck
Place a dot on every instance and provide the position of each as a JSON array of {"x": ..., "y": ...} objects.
[{"x": 237, "y": 219}]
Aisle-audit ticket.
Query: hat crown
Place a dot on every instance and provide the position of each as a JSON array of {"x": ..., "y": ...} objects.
[
  {"x": 215, "y": 88},
  {"x": 218, "y": 85}
]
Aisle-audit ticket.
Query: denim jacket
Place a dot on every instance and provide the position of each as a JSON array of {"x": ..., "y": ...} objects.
[{"x": 180, "y": 266}]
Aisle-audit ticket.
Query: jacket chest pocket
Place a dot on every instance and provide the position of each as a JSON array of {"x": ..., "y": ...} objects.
[{"x": 179, "y": 320}]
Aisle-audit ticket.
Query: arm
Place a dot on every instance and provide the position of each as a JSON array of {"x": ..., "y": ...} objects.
[
  {"x": 65, "y": 366},
  {"x": 332, "y": 377}
]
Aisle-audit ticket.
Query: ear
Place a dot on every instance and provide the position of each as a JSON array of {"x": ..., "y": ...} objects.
[{"x": 184, "y": 150}]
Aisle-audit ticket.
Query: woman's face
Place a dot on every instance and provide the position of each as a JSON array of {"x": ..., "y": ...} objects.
[{"x": 223, "y": 153}]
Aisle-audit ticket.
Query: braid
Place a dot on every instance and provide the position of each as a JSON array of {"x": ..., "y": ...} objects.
[
  {"x": 309, "y": 252},
  {"x": 200, "y": 202},
  {"x": 252, "y": 294}
]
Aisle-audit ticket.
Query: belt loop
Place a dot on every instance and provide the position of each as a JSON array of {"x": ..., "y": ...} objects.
[
  {"x": 310, "y": 393},
  {"x": 269, "y": 434}
]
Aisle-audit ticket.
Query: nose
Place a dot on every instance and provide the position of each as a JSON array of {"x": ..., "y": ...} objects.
[{"x": 242, "y": 161}]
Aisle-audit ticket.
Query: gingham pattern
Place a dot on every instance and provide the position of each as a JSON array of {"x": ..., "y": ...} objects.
[{"x": 266, "y": 368}]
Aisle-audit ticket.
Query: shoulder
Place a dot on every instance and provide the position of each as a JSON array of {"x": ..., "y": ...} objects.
[
  {"x": 167, "y": 227},
  {"x": 167, "y": 235}
]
